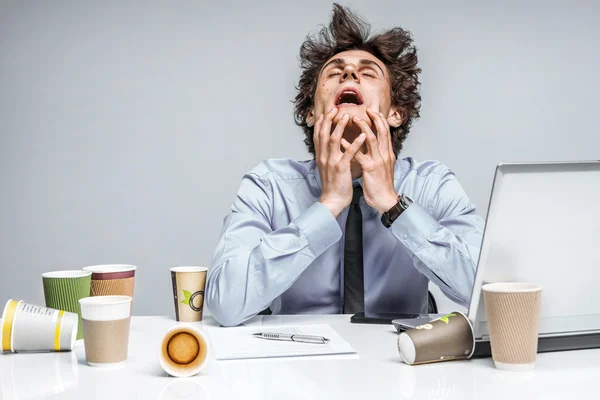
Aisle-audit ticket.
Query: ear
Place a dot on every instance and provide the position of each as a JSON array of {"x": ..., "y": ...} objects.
[
  {"x": 395, "y": 117},
  {"x": 310, "y": 119}
]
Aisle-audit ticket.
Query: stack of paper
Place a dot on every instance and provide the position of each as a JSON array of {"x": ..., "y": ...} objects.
[{"x": 238, "y": 343}]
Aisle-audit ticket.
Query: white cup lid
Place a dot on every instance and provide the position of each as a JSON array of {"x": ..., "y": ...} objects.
[
  {"x": 76, "y": 273},
  {"x": 108, "y": 268},
  {"x": 189, "y": 269},
  {"x": 511, "y": 287},
  {"x": 105, "y": 308},
  {"x": 406, "y": 347}
]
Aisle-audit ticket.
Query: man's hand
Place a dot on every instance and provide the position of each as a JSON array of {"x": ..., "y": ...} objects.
[
  {"x": 377, "y": 163},
  {"x": 334, "y": 165}
]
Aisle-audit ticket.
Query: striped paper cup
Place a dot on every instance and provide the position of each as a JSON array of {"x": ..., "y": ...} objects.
[
  {"x": 63, "y": 289},
  {"x": 112, "y": 279}
]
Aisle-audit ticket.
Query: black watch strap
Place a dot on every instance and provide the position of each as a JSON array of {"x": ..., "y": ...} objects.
[{"x": 391, "y": 215}]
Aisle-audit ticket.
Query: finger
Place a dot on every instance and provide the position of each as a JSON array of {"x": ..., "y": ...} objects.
[
  {"x": 389, "y": 129},
  {"x": 359, "y": 156},
  {"x": 353, "y": 149},
  {"x": 316, "y": 131},
  {"x": 325, "y": 131},
  {"x": 345, "y": 144},
  {"x": 336, "y": 136},
  {"x": 371, "y": 139},
  {"x": 383, "y": 134},
  {"x": 385, "y": 121}
]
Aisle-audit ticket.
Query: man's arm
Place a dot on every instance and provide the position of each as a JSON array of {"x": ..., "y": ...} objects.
[
  {"x": 446, "y": 247},
  {"x": 443, "y": 236},
  {"x": 252, "y": 264}
]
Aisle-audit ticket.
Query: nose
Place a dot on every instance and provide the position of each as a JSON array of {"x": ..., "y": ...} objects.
[{"x": 350, "y": 73}]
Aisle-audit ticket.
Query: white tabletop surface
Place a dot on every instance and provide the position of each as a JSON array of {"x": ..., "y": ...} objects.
[{"x": 375, "y": 373}]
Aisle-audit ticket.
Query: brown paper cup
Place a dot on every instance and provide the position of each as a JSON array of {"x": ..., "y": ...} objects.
[
  {"x": 188, "y": 292},
  {"x": 444, "y": 339},
  {"x": 183, "y": 351},
  {"x": 106, "y": 321},
  {"x": 112, "y": 279},
  {"x": 513, "y": 314}
]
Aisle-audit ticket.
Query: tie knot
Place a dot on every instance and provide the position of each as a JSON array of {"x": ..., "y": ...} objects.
[{"x": 357, "y": 193}]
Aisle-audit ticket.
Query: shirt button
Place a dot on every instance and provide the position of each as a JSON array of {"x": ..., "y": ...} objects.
[{"x": 404, "y": 237}]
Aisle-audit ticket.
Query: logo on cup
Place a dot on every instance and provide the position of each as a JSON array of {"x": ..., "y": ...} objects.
[
  {"x": 445, "y": 319},
  {"x": 189, "y": 297}
]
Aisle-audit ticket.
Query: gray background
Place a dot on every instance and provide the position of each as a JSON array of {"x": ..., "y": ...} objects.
[{"x": 125, "y": 127}]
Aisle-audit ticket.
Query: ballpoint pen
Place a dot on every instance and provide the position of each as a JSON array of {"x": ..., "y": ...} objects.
[{"x": 291, "y": 338}]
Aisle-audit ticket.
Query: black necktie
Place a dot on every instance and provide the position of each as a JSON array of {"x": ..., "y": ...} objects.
[{"x": 354, "y": 290}]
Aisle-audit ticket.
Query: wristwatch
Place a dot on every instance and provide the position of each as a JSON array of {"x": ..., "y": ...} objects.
[{"x": 388, "y": 217}]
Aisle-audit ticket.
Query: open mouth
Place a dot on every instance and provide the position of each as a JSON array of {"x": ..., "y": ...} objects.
[{"x": 349, "y": 97}]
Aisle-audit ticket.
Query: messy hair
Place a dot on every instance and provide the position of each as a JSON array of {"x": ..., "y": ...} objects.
[{"x": 394, "y": 48}]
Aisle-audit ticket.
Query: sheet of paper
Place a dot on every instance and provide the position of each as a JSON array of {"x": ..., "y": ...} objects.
[{"x": 238, "y": 343}]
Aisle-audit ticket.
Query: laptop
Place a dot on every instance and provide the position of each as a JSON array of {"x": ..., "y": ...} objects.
[{"x": 543, "y": 226}]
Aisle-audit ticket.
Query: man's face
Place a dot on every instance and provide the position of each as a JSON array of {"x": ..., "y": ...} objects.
[{"x": 353, "y": 81}]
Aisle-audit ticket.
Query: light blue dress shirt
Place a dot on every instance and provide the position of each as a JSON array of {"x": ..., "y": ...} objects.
[{"x": 281, "y": 248}]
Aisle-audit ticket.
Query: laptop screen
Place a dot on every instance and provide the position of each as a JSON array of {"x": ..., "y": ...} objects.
[{"x": 543, "y": 226}]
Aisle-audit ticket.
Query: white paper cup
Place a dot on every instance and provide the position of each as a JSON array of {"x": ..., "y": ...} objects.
[
  {"x": 32, "y": 376},
  {"x": 27, "y": 327},
  {"x": 183, "y": 351},
  {"x": 106, "y": 322}
]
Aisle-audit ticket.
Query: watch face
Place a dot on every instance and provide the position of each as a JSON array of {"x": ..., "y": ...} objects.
[{"x": 404, "y": 202}]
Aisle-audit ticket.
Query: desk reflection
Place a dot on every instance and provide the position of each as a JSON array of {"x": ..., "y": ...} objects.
[
  {"x": 440, "y": 381},
  {"x": 33, "y": 375},
  {"x": 184, "y": 388},
  {"x": 270, "y": 379}
]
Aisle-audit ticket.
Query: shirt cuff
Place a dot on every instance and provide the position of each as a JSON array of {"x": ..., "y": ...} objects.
[
  {"x": 319, "y": 227},
  {"x": 414, "y": 226}
]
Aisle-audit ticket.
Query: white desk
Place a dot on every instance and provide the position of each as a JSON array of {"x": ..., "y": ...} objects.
[{"x": 376, "y": 373}]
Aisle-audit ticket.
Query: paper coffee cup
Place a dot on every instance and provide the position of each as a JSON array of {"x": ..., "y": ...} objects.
[
  {"x": 513, "y": 314},
  {"x": 112, "y": 279},
  {"x": 183, "y": 351},
  {"x": 106, "y": 322},
  {"x": 446, "y": 338},
  {"x": 188, "y": 292},
  {"x": 27, "y": 327},
  {"x": 34, "y": 376},
  {"x": 63, "y": 289}
]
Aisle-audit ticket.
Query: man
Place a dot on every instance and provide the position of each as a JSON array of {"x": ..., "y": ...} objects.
[{"x": 354, "y": 229}]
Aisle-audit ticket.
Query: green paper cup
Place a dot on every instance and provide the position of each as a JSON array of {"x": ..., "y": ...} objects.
[{"x": 63, "y": 289}]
